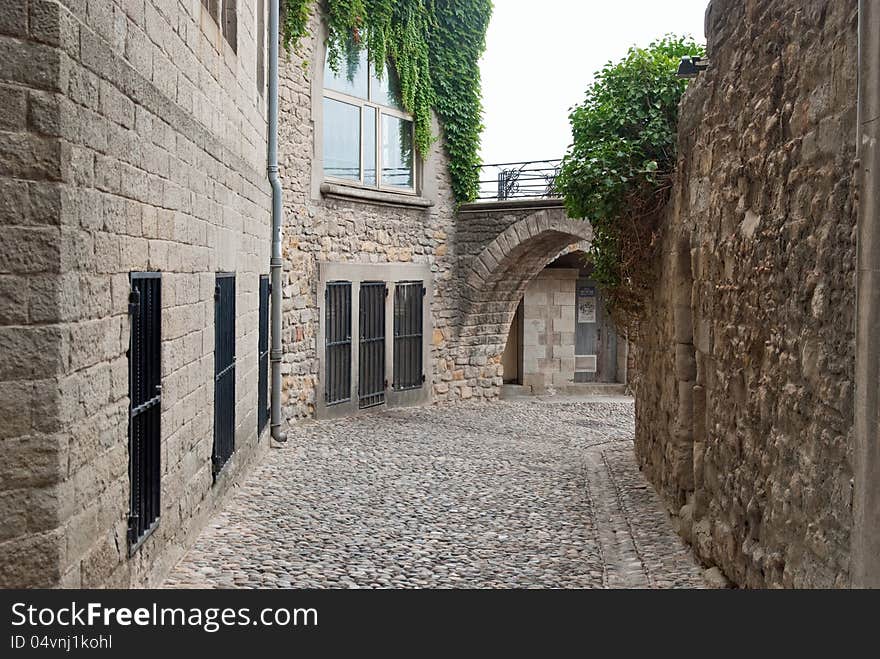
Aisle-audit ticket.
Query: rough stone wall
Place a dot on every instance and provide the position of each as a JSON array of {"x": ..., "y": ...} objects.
[
  {"x": 745, "y": 357},
  {"x": 133, "y": 138},
  {"x": 335, "y": 229}
]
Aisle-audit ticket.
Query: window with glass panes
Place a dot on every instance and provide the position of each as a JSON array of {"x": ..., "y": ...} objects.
[{"x": 368, "y": 138}]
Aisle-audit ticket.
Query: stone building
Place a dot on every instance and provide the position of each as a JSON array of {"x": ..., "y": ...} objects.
[
  {"x": 347, "y": 226},
  {"x": 745, "y": 401},
  {"x": 133, "y": 272},
  {"x": 132, "y": 140}
]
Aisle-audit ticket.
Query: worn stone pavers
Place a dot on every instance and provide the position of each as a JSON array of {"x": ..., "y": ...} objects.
[{"x": 533, "y": 493}]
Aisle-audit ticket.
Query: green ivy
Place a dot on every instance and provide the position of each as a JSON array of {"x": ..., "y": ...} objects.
[
  {"x": 618, "y": 170},
  {"x": 433, "y": 45}
]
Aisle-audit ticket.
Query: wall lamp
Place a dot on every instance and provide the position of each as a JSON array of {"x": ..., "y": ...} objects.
[{"x": 690, "y": 67}]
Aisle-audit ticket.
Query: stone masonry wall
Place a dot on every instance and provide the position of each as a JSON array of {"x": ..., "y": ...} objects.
[
  {"x": 549, "y": 330},
  {"x": 501, "y": 248},
  {"x": 132, "y": 137},
  {"x": 343, "y": 230},
  {"x": 745, "y": 357}
]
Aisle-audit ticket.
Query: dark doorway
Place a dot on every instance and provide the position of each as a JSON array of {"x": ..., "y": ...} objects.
[{"x": 512, "y": 359}]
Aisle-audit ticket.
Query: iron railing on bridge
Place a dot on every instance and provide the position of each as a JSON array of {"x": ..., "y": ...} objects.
[{"x": 532, "y": 179}]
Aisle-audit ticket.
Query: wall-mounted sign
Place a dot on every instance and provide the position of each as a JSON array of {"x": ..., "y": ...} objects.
[{"x": 586, "y": 304}]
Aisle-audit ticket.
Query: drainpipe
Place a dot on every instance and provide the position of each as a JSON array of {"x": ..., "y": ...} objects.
[
  {"x": 865, "y": 569},
  {"x": 275, "y": 265}
]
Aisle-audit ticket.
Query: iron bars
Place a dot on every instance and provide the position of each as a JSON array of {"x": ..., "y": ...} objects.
[
  {"x": 145, "y": 411},
  {"x": 337, "y": 343},
  {"x": 224, "y": 371},
  {"x": 371, "y": 362},
  {"x": 408, "y": 330},
  {"x": 263, "y": 348}
]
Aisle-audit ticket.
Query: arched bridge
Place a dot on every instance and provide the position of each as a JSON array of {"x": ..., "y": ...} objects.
[{"x": 502, "y": 246}]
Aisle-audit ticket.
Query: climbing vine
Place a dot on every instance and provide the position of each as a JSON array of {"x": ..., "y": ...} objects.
[
  {"x": 619, "y": 168},
  {"x": 433, "y": 45}
]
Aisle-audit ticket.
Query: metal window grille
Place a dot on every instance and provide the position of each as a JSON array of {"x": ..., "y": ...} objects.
[
  {"x": 263, "y": 347},
  {"x": 408, "y": 329},
  {"x": 145, "y": 411},
  {"x": 337, "y": 333},
  {"x": 224, "y": 371},
  {"x": 371, "y": 363}
]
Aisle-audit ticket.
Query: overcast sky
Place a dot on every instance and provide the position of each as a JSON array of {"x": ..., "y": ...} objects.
[{"x": 541, "y": 56}]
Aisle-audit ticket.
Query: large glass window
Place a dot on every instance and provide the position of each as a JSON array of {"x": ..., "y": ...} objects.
[
  {"x": 342, "y": 140},
  {"x": 368, "y": 139}
]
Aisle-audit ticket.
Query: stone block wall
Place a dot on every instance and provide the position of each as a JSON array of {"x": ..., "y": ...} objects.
[
  {"x": 549, "y": 330},
  {"x": 132, "y": 137},
  {"x": 745, "y": 357},
  {"x": 501, "y": 248}
]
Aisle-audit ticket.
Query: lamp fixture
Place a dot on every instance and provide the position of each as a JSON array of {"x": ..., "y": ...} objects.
[{"x": 691, "y": 66}]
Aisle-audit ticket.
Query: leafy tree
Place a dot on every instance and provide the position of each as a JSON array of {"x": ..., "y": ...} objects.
[{"x": 618, "y": 169}]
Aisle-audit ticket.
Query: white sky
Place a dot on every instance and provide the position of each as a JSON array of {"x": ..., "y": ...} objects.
[{"x": 541, "y": 56}]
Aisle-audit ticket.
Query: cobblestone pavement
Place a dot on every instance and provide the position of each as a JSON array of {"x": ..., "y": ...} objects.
[{"x": 530, "y": 493}]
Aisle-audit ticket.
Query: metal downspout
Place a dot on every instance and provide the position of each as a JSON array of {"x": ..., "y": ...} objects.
[
  {"x": 275, "y": 265},
  {"x": 865, "y": 566}
]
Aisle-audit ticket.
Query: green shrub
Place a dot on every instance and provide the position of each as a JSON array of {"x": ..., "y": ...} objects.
[{"x": 617, "y": 173}]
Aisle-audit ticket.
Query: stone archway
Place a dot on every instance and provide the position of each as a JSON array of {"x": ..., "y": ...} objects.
[{"x": 494, "y": 281}]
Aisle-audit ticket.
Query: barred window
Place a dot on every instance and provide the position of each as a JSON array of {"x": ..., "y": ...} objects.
[
  {"x": 145, "y": 400},
  {"x": 263, "y": 350},
  {"x": 224, "y": 371},
  {"x": 337, "y": 340},
  {"x": 408, "y": 331}
]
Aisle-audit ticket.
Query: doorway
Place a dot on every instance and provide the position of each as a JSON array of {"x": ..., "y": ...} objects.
[
  {"x": 595, "y": 336},
  {"x": 512, "y": 359}
]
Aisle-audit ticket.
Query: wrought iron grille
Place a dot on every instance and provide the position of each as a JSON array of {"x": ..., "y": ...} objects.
[
  {"x": 408, "y": 329},
  {"x": 371, "y": 363},
  {"x": 534, "y": 179},
  {"x": 224, "y": 371},
  {"x": 337, "y": 343},
  {"x": 263, "y": 348},
  {"x": 145, "y": 411}
]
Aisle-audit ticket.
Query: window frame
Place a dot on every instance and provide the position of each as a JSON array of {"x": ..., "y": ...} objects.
[
  {"x": 218, "y": 13},
  {"x": 380, "y": 110}
]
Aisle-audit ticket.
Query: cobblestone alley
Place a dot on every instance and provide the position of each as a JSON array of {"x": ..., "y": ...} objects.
[{"x": 529, "y": 493}]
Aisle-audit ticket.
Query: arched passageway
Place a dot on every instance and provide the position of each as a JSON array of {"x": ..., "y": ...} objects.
[
  {"x": 496, "y": 278},
  {"x": 562, "y": 338}
]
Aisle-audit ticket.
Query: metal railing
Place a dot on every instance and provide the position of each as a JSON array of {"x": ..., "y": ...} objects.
[{"x": 533, "y": 179}]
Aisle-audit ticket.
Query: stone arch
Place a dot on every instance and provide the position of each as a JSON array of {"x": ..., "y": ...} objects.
[{"x": 496, "y": 279}]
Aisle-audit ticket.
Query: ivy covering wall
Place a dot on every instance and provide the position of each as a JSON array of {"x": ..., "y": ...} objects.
[{"x": 433, "y": 45}]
